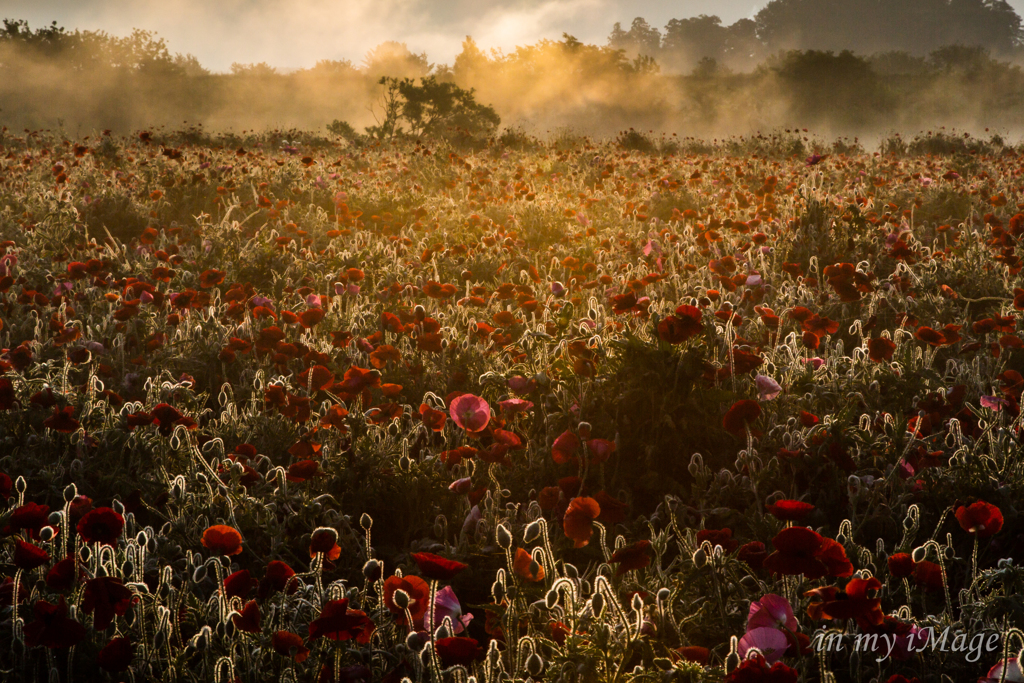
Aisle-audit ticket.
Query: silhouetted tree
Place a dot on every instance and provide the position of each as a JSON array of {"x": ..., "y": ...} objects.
[{"x": 868, "y": 26}]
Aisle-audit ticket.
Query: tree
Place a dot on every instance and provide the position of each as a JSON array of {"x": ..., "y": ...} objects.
[
  {"x": 868, "y": 26},
  {"x": 430, "y": 109},
  {"x": 392, "y": 59}
]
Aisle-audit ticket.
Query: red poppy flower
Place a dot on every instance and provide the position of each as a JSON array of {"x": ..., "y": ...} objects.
[
  {"x": 28, "y": 556},
  {"x": 742, "y": 413},
  {"x": 116, "y": 656},
  {"x": 279, "y": 577},
  {"x": 853, "y": 603},
  {"x": 29, "y": 516},
  {"x": 579, "y": 518},
  {"x": 687, "y": 322},
  {"x": 62, "y": 575},
  {"x": 753, "y": 553},
  {"x": 104, "y": 597},
  {"x": 613, "y": 510},
  {"x": 52, "y": 628},
  {"x": 310, "y": 317},
  {"x": 7, "y": 395},
  {"x": 526, "y": 567},
  {"x": 799, "y": 550},
  {"x": 928, "y": 575},
  {"x": 901, "y": 565},
  {"x": 248, "y": 619},
  {"x": 693, "y": 653},
  {"x": 166, "y": 416},
  {"x": 338, "y": 622},
  {"x": 722, "y": 537},
  {"x": 880, "y": 349},
  {"x": 302, "y": 470},
  {"x": 238, "y": 584},
  {"x": 419, "y": 596},
  {"x": 635, "y": 556},
  {"x": 790, "y": 510},
  {"x": 289, "y": 644},
  {"x": 432, "y": 419},
  {"x": 436, "y": 567},
  {"x": 102, "y": 525},
  {"x": 756, "y": 669},
  {"x": 981, "y": 518},
  {"x": 62, "y": 421},
  {"x": 458, "y": 651},
  {"x": 221, "y": 539},
  {"x": 564, "y": 448}
]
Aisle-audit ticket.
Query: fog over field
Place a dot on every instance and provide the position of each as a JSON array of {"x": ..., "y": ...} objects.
[{"x": 596, "y": 66}]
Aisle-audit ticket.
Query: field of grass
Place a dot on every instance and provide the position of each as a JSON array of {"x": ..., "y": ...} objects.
[{"x": 279, "y": 407}]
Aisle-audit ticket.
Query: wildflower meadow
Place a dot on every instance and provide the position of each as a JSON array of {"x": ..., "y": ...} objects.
[{"x": 284, "y": 406}]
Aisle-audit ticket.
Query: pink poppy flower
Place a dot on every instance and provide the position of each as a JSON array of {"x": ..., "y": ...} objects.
[
  {"x": 770, "y": 641},
  {"x": 767, "y": 388},
  {"x": 446, "y": 604},
  {"x": 772, "y": 611},
  {"x": 470, "y": 412}
]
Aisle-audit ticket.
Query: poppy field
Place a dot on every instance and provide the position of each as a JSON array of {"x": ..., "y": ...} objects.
[{"x": 284, "y": 407}]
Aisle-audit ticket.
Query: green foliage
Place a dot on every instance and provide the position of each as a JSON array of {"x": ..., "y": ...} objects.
[{"x": 431, "y": 109}]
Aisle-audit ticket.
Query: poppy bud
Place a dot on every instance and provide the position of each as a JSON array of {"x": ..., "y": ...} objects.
[
  {"x": 597, "y": 605},
  {"x": 571, "y": 571},
  {"x": 420, "y": 313},
  {"x": 638, "y": 603},
  {"x": 54, "y": 518},
  {"x": 199, "y": 575},
  {"x": 498, "y": 591},
  {"x": 440, "y": 526},
  {"x": 70, "y": 491},
  {"x": 696, "y": 464},
  {"x": 919, "y": 554},
  {"x": 584, "y": 429},
  {"x": 732, "y": 661},
  {"x": 664, "y": 594},
  {"x": 323, "y": 540},
  {"x": 46, "y": 533},
  {"x": 551, "y": 599},
  {"x": 534, "y": 665},
  {"x": 404, "y": 463},
  {"x": 128, "y": 568},
  {"x": 366, "y": 521},
  {"x": 441, "y": 633},
  {"x": 401, "y": 598},
  {"x": 372, "y": 570},
  {"x": 948, "y": 553},
  {"x": 700, "y": 558},
  {"x": 503, "y": 536},
  {"x": 20, "y": 485},
  {"x": 532, "y": 531}
]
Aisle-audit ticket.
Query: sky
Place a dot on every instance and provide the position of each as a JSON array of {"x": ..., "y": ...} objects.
[{"x": 298, "y": 33}]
